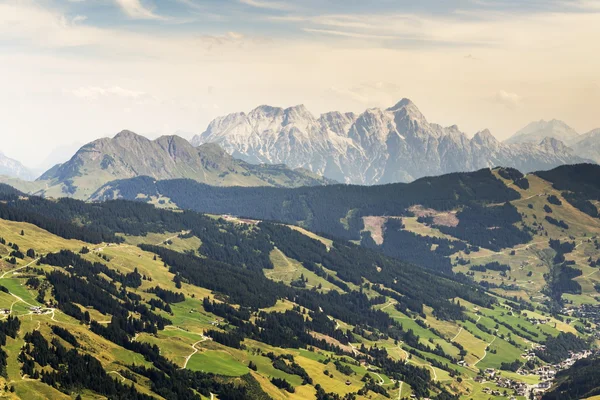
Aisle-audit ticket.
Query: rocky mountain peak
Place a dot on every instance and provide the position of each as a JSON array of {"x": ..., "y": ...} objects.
[
  {"x": 408, "y": 116},
  {"x": 404, "y": 103},
  {"x": 298, "y": 114},
  {"x": 485, "y": 137},
  {"x": 127, "y": 135},
  {"x": 374, "y": 147},
  {"x": 536, "y": 131},
  {"x": 264, "y": 111},
  {"x": 554, "y": 145},
  {"x": 129, "y": 155}
]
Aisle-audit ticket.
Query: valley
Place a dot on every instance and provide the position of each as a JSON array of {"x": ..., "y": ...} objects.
[{"x": 237, "y": 305}]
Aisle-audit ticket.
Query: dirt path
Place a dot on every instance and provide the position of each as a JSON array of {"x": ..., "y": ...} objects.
[
  {"x": 485, "y": 351},
  {"x": 459, "y": 332},
  {"x": 381, "y": 381},
  {"x": 187, "y": 359},
  {"x": 172, "y": 237},
  {"x": 117, "y": 373},
  {"x": 18, "y": 268},
  {"x": 408, "y": 360},
  {"x": 406, "y": 355}
]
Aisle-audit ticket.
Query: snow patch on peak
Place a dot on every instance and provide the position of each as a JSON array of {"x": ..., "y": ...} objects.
[{"x": 375, "y": 147}]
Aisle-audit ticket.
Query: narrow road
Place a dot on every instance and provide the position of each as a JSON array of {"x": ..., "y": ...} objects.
[{"x": 400, "y": 390}]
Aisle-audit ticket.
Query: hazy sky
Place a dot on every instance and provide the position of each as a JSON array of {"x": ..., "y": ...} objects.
[{"x": 75, "y": 70}]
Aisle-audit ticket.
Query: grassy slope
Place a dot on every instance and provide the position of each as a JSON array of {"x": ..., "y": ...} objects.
[
  {"x": 182, "y": 340},
  {"x": 190, "y": 321}
]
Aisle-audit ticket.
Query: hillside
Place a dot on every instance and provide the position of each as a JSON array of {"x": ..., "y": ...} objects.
[
  {"x": 485, "y": 215},
  {"x": 378, "y": 146},
  {"x": 336, "y": 209},
  {"x": 129, "y": 155},
  {"x": 233, "y": 308},
  {"x": 579, "y": 382}
]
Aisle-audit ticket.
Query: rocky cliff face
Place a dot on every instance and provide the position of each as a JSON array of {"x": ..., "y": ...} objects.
[{"x": 379, "y": 146}]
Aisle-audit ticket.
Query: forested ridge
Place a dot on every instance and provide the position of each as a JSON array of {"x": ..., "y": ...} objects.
[
  {"x": 267, "y": 290},
  {"x": 579, "y": 185},
  {"x": 580, "y": 381},
  {"x": 321, "y": 208},
  {"x": 230, "y": 261}
]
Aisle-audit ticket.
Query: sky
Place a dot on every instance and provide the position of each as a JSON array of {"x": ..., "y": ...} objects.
[{"x": 72, "y": 71}]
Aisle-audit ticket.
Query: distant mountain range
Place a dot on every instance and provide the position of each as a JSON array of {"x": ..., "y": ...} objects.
[
  {"x": 538, "y": 130},
  {"x": 585, "y": 145},
  {"x": 129, "y": 155},
  {"x": 588, "y": 145},
  {"x": 379, "y": 146},
  {"x": 290, "y": 147},
  {"x": 14, "y": 169}
]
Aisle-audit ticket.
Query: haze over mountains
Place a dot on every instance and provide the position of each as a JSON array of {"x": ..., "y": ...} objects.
[
  {"x": 538, "y": 130},
  {"x": 585, "y": 145},
  {"x": 290, "y": 147},
  {"x": 14, "y": 168},
  {"x": 379, "y": 146},
  {"x": 129, "y": 155}
]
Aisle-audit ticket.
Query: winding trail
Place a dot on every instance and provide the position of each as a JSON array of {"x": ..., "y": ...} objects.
[
  {"x": 406, "y": 355},
  {"x": 381, "y": 381},
  {"x": 117, "y": 373},
  {"x": 459, "y": 332},
  {"x": 18, "y": 268},
  {"x": 408, "y": 360},
  {"x": 485, "y": 351},
  {"x": 172, "y": 237},
  {"x": 187, "y": 359}
]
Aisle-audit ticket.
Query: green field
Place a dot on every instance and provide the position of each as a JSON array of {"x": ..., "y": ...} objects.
[{"x": 217, "y": 362}]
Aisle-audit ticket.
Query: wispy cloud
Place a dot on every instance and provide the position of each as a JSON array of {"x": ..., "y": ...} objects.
[
  {"x": 95, "y": 92},
  {"x": 347, "y": 34},
  {"x": 269, "y": 5},
  {"x": 135, "y": 9},
  {"x": 507, "y": 99}
]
